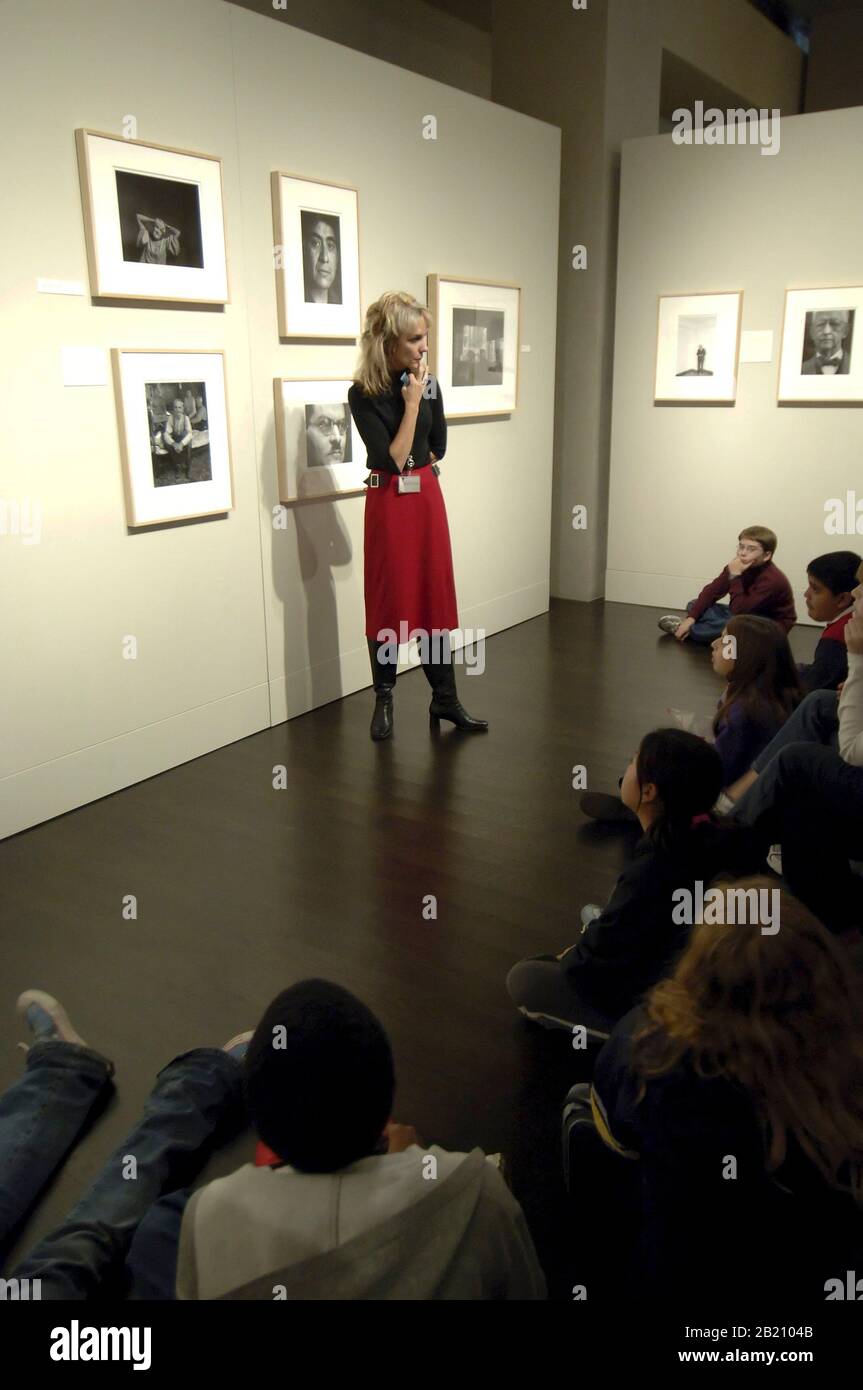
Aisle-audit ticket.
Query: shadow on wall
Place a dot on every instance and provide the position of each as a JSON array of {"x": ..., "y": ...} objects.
[{"x": 313, "y": 544}]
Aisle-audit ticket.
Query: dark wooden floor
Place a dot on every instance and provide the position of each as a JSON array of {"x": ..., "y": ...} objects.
[{"x": 243, "y": 889}]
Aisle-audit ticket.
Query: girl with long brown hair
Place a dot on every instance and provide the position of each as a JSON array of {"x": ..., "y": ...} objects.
[
  {"x": 763, "y": 688},
  {"x": 738, "y": 1085}
]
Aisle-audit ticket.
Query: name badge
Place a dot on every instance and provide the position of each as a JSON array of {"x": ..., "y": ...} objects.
[{"x": 410, "y": 484}]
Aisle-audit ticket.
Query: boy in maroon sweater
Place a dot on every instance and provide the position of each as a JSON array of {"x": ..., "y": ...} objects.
[{"x": 754, "y": 585}]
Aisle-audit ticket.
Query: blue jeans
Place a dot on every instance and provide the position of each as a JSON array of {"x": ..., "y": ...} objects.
[
  {"x": 815, "y": 720},
  {"x": 709, "y": 626},
  {"x": 41, "y": 1119},
  {"x": 196, "y": 1103},
  {"x": 810, "y": 801}
]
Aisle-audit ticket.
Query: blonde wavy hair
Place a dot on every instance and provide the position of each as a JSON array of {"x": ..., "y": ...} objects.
[
  {"x": 779, "y": 1016},
  {"x": 386, "y": 321}
]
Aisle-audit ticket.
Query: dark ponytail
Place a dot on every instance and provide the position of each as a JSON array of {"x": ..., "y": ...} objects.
[{"x": 687, "y": 774}]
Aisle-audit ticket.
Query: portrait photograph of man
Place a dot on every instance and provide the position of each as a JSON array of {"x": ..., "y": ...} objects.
[
  {"x": 179, "y": 434},
  {"x": 322, "y": 274},
  {"x": 827, "y": 342},
  {"x": 328, "y": 434}
]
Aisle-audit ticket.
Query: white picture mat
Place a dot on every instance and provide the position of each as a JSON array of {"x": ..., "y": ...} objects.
[
  {"x": 151, "y": 504},
  {"x": 116, "y": 276},
  {"x": 296, "y": 479},
  {"x": 479, "y": 400},
  {"x": 793, "y": 386},
  {"x": 318, "y": 320},
  {"x": 722, "y": 386}
]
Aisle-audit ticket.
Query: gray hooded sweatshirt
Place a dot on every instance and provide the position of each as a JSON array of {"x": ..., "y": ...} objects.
[{"x": 421, "y": 1224}]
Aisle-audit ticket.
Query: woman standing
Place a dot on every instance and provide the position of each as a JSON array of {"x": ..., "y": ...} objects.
[{"x": 409, "y": 585}]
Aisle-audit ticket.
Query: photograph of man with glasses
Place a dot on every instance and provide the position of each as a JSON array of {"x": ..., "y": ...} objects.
[{"x": 328, "y": 434}]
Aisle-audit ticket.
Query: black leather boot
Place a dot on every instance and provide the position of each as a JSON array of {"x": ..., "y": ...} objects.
[
  {"x": 445, "y": 702},
  {"x": 383, "y": 679}
]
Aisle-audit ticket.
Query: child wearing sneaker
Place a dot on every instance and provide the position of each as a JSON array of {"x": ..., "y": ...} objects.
[
  {"x": 624, "y": 948},
  {"x": 754, "y": 585},
  {"x": 753, "y": 656}
]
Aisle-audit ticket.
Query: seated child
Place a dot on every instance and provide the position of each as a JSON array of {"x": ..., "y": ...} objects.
[
  {"x": 763, "y": 688},
  {"x": 352, "y": 1207},
  {"x": 830, "y": 599},
  {"x": 823, "y": 717},
  {"x": 670, "y": 785},
  {"x": 350, "y": 1210},
  {"x": 751, "y": 1051},
  {"x": 808, "y": 798},
  {"x": 754, "y": 585}
]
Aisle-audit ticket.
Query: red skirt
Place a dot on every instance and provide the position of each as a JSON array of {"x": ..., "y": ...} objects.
[{"x": 408, "y": 559}]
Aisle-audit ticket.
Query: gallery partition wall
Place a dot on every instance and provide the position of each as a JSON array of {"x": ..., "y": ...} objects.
[
  {"x": 142, "y": 635},
  {"x": 702, "y": 227}
]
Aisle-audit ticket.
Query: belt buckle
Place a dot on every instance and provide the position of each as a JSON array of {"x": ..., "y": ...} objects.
[{"x": 374, "y": 480}]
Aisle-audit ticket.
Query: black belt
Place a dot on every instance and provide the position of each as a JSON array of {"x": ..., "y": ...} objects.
[{"x": 375, "y": 476}]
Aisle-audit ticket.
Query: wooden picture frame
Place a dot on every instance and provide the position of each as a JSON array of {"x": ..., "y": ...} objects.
[
  {"x": 159, "y": 471},
  {"x": 835, "y": 314},
  {"x": 695, "y": 329},
  {"x": 302, "y": 478},
  {"x": 475, "y": 345},
  {"x": 128, "y": 188},
  {"x": 305, "y": 208}
]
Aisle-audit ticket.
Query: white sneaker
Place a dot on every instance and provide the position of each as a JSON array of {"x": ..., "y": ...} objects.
[
  {"x": 238, "y": 1046},
  {"x": 774, "y": 859},
  {"x": 46, "y": 1018}
]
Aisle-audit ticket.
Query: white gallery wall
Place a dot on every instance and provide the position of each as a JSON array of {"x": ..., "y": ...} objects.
[
  {"x": 686, "y": 479},
  {"x": 237, "y": 625}
]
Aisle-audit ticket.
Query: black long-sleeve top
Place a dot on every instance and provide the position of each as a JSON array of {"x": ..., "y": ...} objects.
[
  {"x": 708, "y": 1225},
  {"x": 378, "y": 419},
  {"x": 634, "y": 941}
]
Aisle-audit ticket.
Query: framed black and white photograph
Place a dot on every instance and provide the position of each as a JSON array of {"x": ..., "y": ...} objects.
[
  {"x": 318, "y": 449},
  {"x": 173, "y": 417},
  {"x": 174, "y": 237},
  {"x": 477, "y": 347},
  {"x": 819, "y": 363},
  {"x": 316, "y": 258},
  {"x": 474, "y": 344},
  {"x": 698, "y": 348},
  {"x": 154, "y": 220}
]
